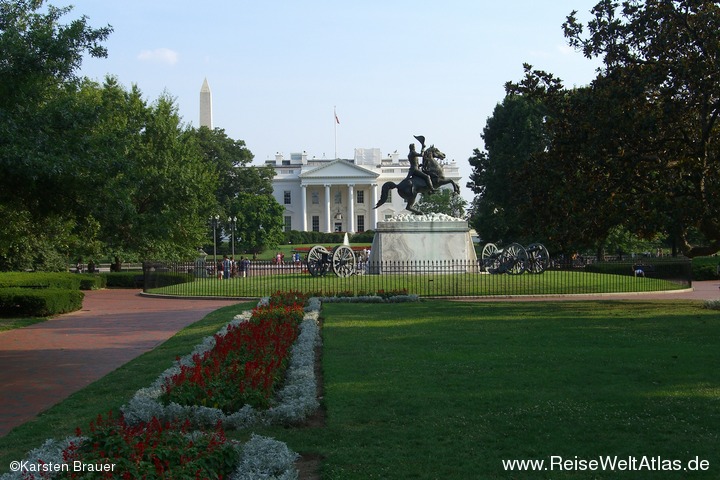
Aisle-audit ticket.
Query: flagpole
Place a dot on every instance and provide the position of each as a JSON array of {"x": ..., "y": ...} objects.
[{"x": 335, "y": 124}]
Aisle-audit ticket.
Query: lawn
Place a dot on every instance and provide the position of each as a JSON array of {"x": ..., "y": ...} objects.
[
  {"x": 450, "y": 284},
  {"x": 448, "y": 390}
]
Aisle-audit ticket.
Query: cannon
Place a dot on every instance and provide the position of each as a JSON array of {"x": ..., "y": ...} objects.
[
  {"x": 341, "y": 261},
  {"x": 515, "y": 259}
]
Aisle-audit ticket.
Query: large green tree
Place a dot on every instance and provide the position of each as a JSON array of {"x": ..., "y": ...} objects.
[
  {"x": 504, "y": 178},
  {"x": 88, "y": 168},
  {"x": 665, "y": 56},
  {"x": 637, "y": 149},
  {"x": 39, "y": 177},
  {"x": 244, "y": 192}
]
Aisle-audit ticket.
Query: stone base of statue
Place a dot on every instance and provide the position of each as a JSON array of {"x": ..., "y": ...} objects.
[{"x": 433, "y": 243}]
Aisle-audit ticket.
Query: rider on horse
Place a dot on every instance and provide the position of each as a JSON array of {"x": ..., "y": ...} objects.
[{"x": 415, "y": 167}]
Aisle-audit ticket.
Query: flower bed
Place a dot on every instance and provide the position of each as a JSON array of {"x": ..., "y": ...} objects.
[
  {"x": 291, "y": 403},
  {"x": 244, "y": 365},
  {"x": 152, "y": 439},
  {"x": 157, "y": 437}
]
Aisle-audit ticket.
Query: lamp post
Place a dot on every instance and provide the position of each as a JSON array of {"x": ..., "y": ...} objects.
[
  {"x": 214, "y": 220},
  {"x": 233, "y": 222}
]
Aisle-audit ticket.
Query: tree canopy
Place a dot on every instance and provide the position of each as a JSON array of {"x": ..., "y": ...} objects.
[
  {"x": 89, "y": 169},
  {"x": 637, "y": 148}
]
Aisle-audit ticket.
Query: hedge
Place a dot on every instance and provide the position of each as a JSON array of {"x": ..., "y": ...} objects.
[
  {"x": 68, "y": 281},
  {"x": 39, "y": 302},
  {"x": 122, "y": 279},
  {"x": 666, "y": 269}
]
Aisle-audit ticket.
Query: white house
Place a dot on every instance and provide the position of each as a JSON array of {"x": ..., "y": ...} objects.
[{"x": 339, "y": 195}]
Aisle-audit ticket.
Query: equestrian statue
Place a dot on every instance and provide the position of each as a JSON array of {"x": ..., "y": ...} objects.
[{"x": 425, "y": 178}]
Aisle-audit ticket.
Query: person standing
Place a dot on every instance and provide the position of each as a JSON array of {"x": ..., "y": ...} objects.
[{"x": 227, "y": 267}]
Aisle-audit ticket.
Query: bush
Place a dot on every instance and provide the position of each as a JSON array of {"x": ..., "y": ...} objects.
[
  {"x": 705, "y": 268},
  {"x": 121, "y": 279},
  {"x": 69, "y": 281},
  {"x": 92, "y": 282},
  {"x": 363, "y": 237},
  {"x": 666, "y": 269},
  {"x": 44, "y": 302}
]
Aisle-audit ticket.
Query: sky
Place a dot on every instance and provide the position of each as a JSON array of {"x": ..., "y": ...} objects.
[{"x": 279, "y": 70}]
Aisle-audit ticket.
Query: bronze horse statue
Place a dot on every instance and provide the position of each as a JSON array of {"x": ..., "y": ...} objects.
[{"x": 409, "y": 188}]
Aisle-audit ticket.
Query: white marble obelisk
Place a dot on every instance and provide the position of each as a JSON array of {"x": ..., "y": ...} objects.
[{"x": 206, "y": 106}]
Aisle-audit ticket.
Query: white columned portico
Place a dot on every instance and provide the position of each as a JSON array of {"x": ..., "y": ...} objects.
[
  {"x": 373, "y": 202},
  {"x": 303, "y": 207},
  {"x": 351, "y": 208},
  {"x": 328, "y": 227}
]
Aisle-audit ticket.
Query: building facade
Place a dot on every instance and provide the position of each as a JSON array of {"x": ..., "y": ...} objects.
[{"x": 339, "y": 195}]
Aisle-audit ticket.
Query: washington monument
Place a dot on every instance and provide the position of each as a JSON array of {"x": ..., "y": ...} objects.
[{"x": 205, "y": 105}]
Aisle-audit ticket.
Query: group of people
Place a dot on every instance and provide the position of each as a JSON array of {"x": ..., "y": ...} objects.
[
  {"x": 229, "y": 268},
  {"x": 279, "y": 258}
]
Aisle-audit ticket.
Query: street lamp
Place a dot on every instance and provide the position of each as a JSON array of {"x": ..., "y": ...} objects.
[
  {"x": 233, "y": 222},
  {"x": 214, "y": 220}
]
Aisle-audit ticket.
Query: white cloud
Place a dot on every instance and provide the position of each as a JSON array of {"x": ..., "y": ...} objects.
[{"x": 163, "y": 56}]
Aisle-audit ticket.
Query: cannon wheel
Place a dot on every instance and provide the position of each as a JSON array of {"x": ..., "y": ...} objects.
[
  {"x": 514, "y": 259},
  {"x": 343, "y": 261},
  {"x": 539, "y": 258},
  {"x": 489, "y": 257},
  {"x": 317, "y": 263}
]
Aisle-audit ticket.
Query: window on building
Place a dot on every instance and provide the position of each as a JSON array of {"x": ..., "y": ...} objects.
[
  {"x": 361, "y": 223},
  {"x": 316, "y": 223},
  {"x": 315, "y": 198},
  {"x": 361, "y": 196},
  {"x": 287, "y": 197},
  {"x": 288, "y": 223},
  {"x": 389, "y": 200},
  {"x": 388, "y": 217},
  {"x": 338, "y": 197}
]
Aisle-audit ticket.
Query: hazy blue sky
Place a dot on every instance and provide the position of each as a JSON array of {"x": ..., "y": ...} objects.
[{"x": 392, "y": 69}]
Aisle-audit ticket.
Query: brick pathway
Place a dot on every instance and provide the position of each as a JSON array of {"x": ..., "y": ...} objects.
[{"x": 42, "y": 364}]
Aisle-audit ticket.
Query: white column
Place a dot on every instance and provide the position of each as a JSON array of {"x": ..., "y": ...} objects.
[
  {"x": 373, "y": 202},
  {"x": 303, "y": 208},
  {"x": 328, "y": 227},
  {"x": 351, "y": 209}
]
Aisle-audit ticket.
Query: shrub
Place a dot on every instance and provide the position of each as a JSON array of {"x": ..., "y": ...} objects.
[
  {"x": 92, "y": 282},
  {"x": 43, "y": 302},
  {"x": 121, "y": 279},
  {"x": 69, "y": 281}
]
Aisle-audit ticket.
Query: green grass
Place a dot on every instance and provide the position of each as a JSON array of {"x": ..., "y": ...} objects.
[
  {"x": 448, "y": 390},
  {"x": 112, "y": 391},
  {"x": 549, "y": 283},
  {"x": 12, "y": 323}
]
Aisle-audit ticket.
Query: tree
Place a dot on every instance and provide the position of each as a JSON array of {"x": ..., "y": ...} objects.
[
  {"x": 504, "y": 176},
  {"x": 443, "y": 201},
  {"x": 38, "y": 54},
  {"x": 665, "y": 55},
  {"x": 156, "y": 186},
  {"x": 260, "y": 222},
  {"x": 40, "y": 173},
  {"x": 244, "y": 191}
]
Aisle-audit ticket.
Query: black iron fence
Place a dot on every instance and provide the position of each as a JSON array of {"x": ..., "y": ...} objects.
[{"x": 428, "y": 279}]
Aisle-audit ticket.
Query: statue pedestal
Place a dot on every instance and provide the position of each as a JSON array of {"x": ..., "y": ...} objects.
[{"x": 433, "y": 243}]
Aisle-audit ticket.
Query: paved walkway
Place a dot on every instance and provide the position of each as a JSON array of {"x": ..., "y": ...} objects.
[{"x": 42, "y": 364}]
